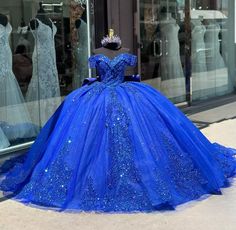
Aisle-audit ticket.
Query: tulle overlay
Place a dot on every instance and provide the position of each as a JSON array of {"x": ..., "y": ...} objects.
[{"x": 119, "y": 148}]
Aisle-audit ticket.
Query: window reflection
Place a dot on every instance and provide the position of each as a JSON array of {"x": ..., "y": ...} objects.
[
  {"x": 44, "y": 51},
  {"x": 196, "y": 62}
]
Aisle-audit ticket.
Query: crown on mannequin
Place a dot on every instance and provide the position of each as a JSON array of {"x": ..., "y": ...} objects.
[{"x": 111, "y": 39}]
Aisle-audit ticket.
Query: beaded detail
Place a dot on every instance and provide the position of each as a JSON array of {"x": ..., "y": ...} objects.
[
  {"x": 112, "y": 71},
  {"x": 122, "y": 175},
  {"x": 50, "y": 185},
  {"x": 122, "y": 172},
  {"x": 187, "y": 178}
]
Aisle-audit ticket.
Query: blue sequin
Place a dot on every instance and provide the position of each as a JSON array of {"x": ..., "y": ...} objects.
[{"x": 49, "y": 186}]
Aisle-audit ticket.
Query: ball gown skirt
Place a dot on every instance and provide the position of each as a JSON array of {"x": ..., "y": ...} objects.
[{"x": 115, "y": 146}]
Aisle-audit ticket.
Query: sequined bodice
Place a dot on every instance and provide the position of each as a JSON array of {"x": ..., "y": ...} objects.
[{"x": 112, "y": 71}]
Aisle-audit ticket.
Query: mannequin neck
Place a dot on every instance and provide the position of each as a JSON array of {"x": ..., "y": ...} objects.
[
  {"x": 196, "y": 22},
  {"x": 167, "y": 18},
  {"x": 109, "y": 52},
  {"x": 44, "y": 19},
  {"x": 3, "y": 19}
]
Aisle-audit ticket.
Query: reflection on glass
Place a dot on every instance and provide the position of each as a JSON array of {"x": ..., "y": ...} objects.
[
  {"x": 50, "y": 50},
  {"x": 198, "y": 59},
  {"x": 43, "y": 92},
  {"x": 188, "y": 56},
  {"x": 210, "y": 64},
  {"x": 161, "y": 60},
  {"x": 15, "y": 119},
  {"x": 170, "y": 70},
  {"x": 81, "y": 54}
]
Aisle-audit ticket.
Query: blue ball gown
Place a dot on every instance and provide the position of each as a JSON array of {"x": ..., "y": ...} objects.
[{"x": 115, "y": 146}]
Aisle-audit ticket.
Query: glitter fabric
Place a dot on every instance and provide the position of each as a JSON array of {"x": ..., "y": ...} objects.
[{"x": 116, "y": 146}]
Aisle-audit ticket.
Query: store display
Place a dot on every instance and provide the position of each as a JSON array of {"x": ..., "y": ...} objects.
[
  {"x": 14, "y": 117},
  {"x": 81, "y": 54},
  {"x": 214, "y": 58},
  {"x": 200, "y": 81},
  {"x": 43, "y": 91},
  {"x": 217, "y": 71},
  {"x": 43, "y": 68},
  {"x": 198, "y": 48},
  {"x": 170, "y": 71}
]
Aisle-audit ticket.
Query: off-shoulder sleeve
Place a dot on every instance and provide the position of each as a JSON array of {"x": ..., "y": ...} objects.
[
  {"x": 92, "y": 61},
  {"x": 132, "y": 60}
]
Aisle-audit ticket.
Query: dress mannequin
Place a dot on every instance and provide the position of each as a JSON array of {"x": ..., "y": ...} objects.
[
  {"x": 214, "y": 58},
  {"x": 111, "y": 49},
  {"x": 41, "y": 15},
  {"x": 217, "y": 71},
  {"x": 200, "y": 81},
  {"x": 198, "y": 46},
  {"x": 43, "y": 90},
  {"x": 170, "y": 71},
  {"x": 14, "y": 116},
  {"x": 111, "y": 53},
  {"x": 3, "y": 139},
  {"x": 3, "y": 19},
  {"x": 81, "y": 54}
]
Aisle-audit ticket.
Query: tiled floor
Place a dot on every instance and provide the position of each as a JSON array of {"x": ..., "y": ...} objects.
[{"x": 213, "y": 213}]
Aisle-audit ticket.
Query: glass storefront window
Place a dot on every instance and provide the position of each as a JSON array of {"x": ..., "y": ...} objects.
[
  {"x": 162, "y": 35},
  {"x": 187, "y": 47},
  {"x": 212, "y": 48},
  {"x": 44, "y": 47}
]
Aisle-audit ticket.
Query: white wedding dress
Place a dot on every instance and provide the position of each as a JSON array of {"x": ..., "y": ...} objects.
[
  {"x": 217, "y": 71},
  {"x": 81, "y": 56},
  {"x": 14, "y": 116},
  {"x": 200, "y": 82},
  {"x": 43, "y": 92},
  {"x": 213, "y": 56},
  {"x": 171, "y": 71}
]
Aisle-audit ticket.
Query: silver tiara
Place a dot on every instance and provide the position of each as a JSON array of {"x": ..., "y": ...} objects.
[{"x": 113, "y": 39}]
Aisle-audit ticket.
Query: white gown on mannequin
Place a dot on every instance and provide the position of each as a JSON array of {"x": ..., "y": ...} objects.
[
  {"x": 217, "y": 71},
  {"x": 214, "y": 58},
  {"x": 198, "y": 48},
  {"x": 200, "y": 82},
  {"x": 81, "y": 54},
  {"x": 171, "y": 71},
  {"x": 14, "y": 116},
  {"x": 43, "y": 91}
]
